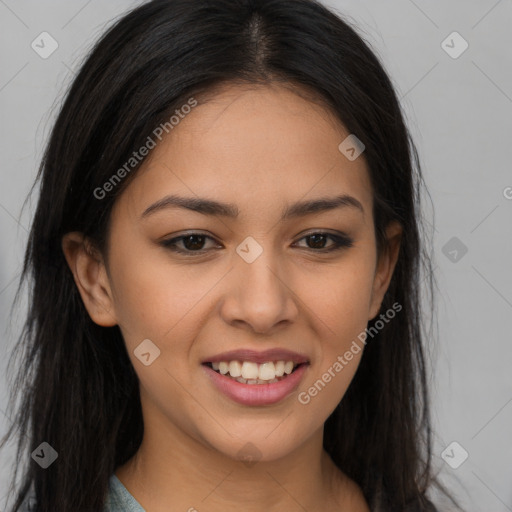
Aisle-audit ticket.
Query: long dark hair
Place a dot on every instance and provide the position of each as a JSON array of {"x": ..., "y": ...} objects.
[{"x": 79, "y": 390}]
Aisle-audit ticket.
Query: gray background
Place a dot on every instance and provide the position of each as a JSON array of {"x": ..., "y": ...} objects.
[{"x": 460, "y": 113}]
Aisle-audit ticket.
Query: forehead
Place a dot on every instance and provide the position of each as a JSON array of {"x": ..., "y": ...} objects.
[{"x": 260, "y": 147}]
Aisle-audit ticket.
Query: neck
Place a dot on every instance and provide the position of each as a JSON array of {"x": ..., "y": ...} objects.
[{"x": 173, "y": 467}]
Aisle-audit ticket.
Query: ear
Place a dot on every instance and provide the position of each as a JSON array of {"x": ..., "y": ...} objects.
[
  {"x": 385, "y": 267},
  {"x": 89, "y": 272}
]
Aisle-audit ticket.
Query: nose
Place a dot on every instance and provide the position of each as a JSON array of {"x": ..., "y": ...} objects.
[{"x": 260, "y": 295}]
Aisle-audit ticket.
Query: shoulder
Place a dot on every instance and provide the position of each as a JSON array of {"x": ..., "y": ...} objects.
[{"x": 119, "y": 498}]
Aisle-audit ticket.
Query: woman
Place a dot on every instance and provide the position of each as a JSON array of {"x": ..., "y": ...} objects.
[{"x": 226, "y": 254}]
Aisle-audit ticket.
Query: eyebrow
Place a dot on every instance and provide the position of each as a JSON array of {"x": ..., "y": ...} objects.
[{"x": 230, "y": 210}]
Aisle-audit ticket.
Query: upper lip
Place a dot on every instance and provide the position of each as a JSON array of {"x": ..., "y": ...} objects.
[{"x": 274, "y": 354}]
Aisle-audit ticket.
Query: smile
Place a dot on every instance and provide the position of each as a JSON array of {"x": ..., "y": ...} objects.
[
  {"x": 256, "y": 391},
  {"x": 248, "y": 372}
]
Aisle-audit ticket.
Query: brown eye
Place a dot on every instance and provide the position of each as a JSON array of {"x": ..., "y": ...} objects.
[
  {"x": 317, "y": 241},
  {"x": 191, "y": 243}
]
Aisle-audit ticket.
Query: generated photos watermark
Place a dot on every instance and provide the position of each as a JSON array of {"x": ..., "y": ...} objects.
[
  {"x": 143, "y": 151},
  {"x": 304, "y": 397}
]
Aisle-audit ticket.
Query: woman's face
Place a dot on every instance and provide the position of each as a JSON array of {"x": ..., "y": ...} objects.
[{"x": 245, "y": 283}]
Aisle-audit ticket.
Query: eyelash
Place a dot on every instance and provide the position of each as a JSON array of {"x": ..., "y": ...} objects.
[{"x": 340, "y": 242}]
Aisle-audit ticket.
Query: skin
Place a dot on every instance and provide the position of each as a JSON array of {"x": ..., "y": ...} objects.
[{"x": 260, "y": 148}]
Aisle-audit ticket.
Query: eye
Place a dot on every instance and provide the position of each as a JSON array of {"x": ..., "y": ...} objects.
[
  {"x": 193, "y": 243},
  {"x": 316, "y": 241}
]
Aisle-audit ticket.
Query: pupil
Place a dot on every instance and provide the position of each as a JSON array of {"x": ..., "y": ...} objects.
[
  {"x": 320, "y": 242},
  {"x": 194, "y": 246}
]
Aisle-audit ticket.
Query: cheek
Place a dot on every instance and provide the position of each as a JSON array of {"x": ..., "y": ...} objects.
[
  {"x": 156, "y": 299},
  {"x": 340, "y": 299},
  {"x": 340, "y": 295}
]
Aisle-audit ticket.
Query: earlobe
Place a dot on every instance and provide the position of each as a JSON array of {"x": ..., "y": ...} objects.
[
  {"x": 91, "y": 279},
  {"x": 385, "y": 267}
]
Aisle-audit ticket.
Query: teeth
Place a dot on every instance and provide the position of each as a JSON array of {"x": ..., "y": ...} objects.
[
  {"x": 288, "y": 367},
  {"x": 279, "y": 366},
  {"x": 267, "y": 371},
  {"x": 254, "y": 373},
  {"x": 255, "y": 381},
  {"x": 235, "y": 369},
  {"x": 249, "y": 370}
]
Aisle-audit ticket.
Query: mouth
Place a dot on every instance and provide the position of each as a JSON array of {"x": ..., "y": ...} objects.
[
  {"x": 256, "y": 378},
  {"x": 251, "y": 373}
]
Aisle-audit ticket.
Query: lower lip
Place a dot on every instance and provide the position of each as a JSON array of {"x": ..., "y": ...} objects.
[{"x": 256, "y": 394}]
